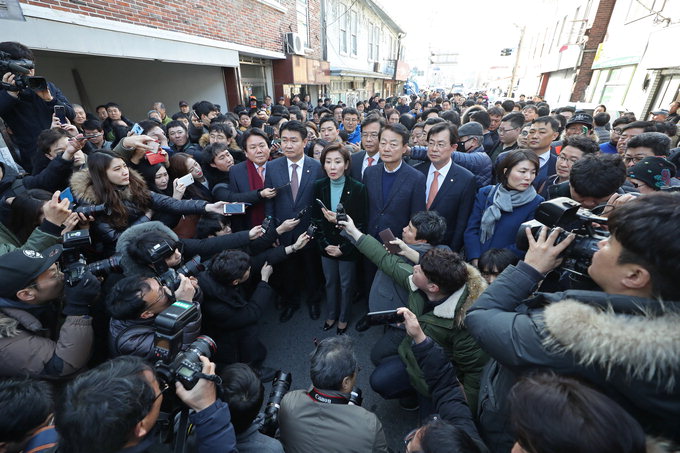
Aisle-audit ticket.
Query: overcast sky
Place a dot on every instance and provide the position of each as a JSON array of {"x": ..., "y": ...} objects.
[{"x": 477, "y": 30}]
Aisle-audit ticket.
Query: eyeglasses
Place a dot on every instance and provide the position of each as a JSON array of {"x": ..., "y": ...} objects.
[
  {"x": 633, "y": 159},
  {"x": 618, "y": 130},
  {"x": 369, "y": 135},
  {"x": 571, "y": 161},
  {"x": 161, "y": 293},
  {"x": 505, "y": 131},
  {"x": 524, "y": 133}
]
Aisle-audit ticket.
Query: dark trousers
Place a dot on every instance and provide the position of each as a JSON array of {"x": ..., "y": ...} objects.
[{"x": 301, "y": 271}]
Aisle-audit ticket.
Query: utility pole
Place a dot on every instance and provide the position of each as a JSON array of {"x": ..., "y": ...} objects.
[{"x": 514, "y": 68}]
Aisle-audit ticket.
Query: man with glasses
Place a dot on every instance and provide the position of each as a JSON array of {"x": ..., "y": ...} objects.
[
  {"x": 350, "y": 124},
  {"x": 631, "y": 130},
  {"x": 368, "y": 156},
  {"x": 574, "y": 148},
  {"x": 323, "y": 418},
  {"x": 115, "y": 407},
  {"x": 614, "y": 135},
  {"x": 31, "y": 284},
  {"x": 508, "y": 132},
  {"x": 647, "y": 144},
  {"x": 94, "y": 133},
  {"x": 134, "y": 302}
]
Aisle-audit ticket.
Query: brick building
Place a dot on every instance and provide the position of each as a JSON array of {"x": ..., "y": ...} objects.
[{"x": 138, "y": 52}]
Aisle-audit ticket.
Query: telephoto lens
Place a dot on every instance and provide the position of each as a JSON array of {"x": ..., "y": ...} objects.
[{"x": 280, "y": 387}]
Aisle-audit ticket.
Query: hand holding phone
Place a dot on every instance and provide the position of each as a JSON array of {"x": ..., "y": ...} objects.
[
  {"x": 187, "y": 180},
  {"x": 60, "y": 112},
  {"x": 137, "y": 129},
  {"x": 387, "y": 236},
  {"x": 320, "y": 203},
  {"x": 235, "y": 208},
  {"x": 377, "y": 318}
]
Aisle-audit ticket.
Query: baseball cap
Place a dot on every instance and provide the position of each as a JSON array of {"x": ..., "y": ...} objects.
[
  {"x": 581, "y": 118},
  {"x": 183, "y": 104},
  {"x": 654, "y": 171},
  {"x": 20, "y": 267},
  {"x": 660, "y": 112}
]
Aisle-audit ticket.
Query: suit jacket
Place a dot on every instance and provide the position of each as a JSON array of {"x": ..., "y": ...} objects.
[
  {"x": 454, "y": 201},
  {"x": 239, "y": 184},
  {"x": 358, "y": 162},
  {"x": 354, "y": 200},
  {"x": 405, "y": 199},
  {"x": 282, "y": 206}
]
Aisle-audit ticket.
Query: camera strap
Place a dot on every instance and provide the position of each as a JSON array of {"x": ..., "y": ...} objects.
[{"x": 325, "y": 398}]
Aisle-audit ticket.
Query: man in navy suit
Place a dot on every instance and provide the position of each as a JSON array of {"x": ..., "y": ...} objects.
[
  {"x": 449, "y": 188},
  {"x": 369, "y": 154},
  {"x": 297, "y": 173},
  {"x": 395, "y": 189},
  {"x": 249, "y": 176}
]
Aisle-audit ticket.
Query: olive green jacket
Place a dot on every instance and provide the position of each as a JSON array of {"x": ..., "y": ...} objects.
[
  {"x": 39, "y": 240},
  {"x": 444, "y": 324}
]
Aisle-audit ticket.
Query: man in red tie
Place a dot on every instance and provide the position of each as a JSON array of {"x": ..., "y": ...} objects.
[{"x": 368, "y": 156}]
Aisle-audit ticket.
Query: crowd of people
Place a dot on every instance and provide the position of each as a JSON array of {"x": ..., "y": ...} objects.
[{"x": 523, "y": 252}]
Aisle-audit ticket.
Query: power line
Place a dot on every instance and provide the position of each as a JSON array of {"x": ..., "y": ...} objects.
[{"x": 341, "y": 15}]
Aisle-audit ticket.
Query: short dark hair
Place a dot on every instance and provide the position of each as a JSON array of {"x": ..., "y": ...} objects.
[
  {"x": 244, "y": 393},
  {"x": 497, "y": 259},
  {"x": 645, "y": 228},
  {"x": 445, "y": 269},
  {"x": 124, "y": 301},
  {"x": 332, "y": 361},
  {"x": 508, "y": 105},
  {"x": 328, "y": 119},
  {"x": 622, "y": 120},
  {"x": 444, "y": 126},
  {"x": 175, "y": 123},
  {"x": 510, "y": 160},
  {"x": 212, "y": 150},
  {"x": 659, "y": 143},
  {"x": 554, "y": 124},
  {"x": 597, "y": 175},
  {"x": 229, "y": 265},
  {"x": 147, "y": 125},
  {"x": 49, "y": 137},
  {"x": 646, "y": 126},
  {"x": 204, "y": 108},
  {"x": 102, "y": 406},
  {"x": 430, "y": 226},
  {"x": 451, "y": 116},
  {"x": 516, "y": 119},
  {"x": 407, "y": 120},
  {"x": 581, "y": 142},
  {"x": 601, "y": 119},
  {"x": 209, "y": 224},
  {"x": 26, "y": 404},
  {"x": 93, "y": 125},
  {"x": 370, "y": 119},
  {"x": 495, "y": 111},
  {"x": 530, "y": 107},
  {"x": 431, "y": 121},
  {"x": 350, "y": 111},
  {"x": 295, "y": 126},
  {"x": 559, "y": 414},
  {"x": 254, "y": 131},
  {"x": 17, "y": 51},
  {"x": 441, "y": 435},
  {"x": 221, "y": 127},
  {"x": 398, "y": 129}
]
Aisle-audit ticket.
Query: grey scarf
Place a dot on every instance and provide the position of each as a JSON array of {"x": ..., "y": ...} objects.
[{"x": 504, "y": 200}]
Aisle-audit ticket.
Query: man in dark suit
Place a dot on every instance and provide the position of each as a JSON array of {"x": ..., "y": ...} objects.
[
  {"x": 450, "y": 189},
  {"x": 297, "y": 173},
  {"x": 369, "y": 154},
  {"x": 395, "y": 190},
  {"x": 250, "y": 175}
]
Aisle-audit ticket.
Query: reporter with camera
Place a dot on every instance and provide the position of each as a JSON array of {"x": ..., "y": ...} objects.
[
  {"x": 130, "y": 392},
  {"x": 31, "y": 341},
  {"x": 622, "y": 340},
  {"x": 27, "y": 111},
  {"x": 134, "y": 303},
  {"x": 322, "y": 418}
]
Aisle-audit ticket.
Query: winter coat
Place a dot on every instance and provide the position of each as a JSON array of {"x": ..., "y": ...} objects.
[
  {"x": 478, "y": 162},
  {"x": 253, "y": 441},
  {"x": 445, "y": 324},
  {"x": 27, "y": 348},
  {"x": 45, "y": 235},
  {"x": 627, "y": 347},
  {"x": 506, "y": 228},
  {"x": 310, "y": 426},
  {"x": 81, "y": 187}
]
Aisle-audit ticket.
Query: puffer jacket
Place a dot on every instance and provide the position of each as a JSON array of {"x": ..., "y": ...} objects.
[
  {"x": 105, "y": 232},
  {"x": 445, "y": 324},
  {"x": 28, "y": 348},
  {"x": 45, "y": 235},
  {"x": 627, "y": 347}
]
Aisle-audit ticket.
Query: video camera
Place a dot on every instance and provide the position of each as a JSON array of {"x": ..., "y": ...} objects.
[
  {"x": 173, "y": 364},
  {"x": 567, "y": 214},
  {"x": 73, "y": 262},
  {"x": 20, "y": 68}
]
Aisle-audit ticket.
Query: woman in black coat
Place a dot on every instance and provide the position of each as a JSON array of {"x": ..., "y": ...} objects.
[{"x": 338, "y": 255}]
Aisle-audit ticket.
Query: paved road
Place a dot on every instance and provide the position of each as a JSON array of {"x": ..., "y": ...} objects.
[{"x": 289, "y": 345}]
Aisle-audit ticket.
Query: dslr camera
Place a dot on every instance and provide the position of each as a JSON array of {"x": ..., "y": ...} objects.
[
  {"x": 567, "y": 214},
  {"x": 173, "y": 364},
  {"x": 280, "y": 387},
  {"x": 73, "y": 262},
  {"x": 170, "y": 277}
]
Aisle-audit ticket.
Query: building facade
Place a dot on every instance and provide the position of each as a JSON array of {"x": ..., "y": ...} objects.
[
  {"x": 364, "y": 48},
  {"x": 135, "y": 52}
]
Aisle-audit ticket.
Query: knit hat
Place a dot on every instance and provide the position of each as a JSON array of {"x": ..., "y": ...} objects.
[
  {"x": 656, "y": 172},
  {"x": 471, "y": 128},
  {"x": 20, "y": 267}
]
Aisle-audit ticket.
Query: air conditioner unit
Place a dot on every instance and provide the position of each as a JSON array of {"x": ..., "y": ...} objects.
[{"x": 294, "y": 44}]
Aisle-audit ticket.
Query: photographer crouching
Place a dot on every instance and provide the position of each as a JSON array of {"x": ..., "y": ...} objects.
[
  {"x": 323, "y": 418},
  {"x": 31, "y": 342},
  {"x": 623, "y": 339}
]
